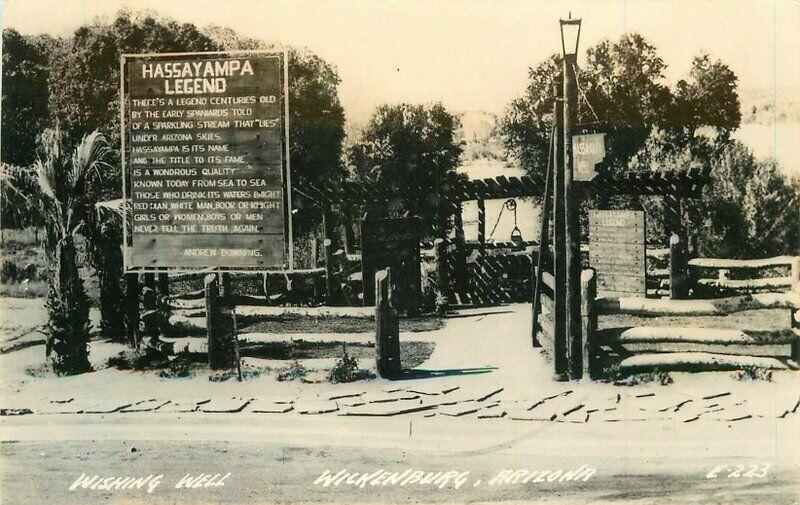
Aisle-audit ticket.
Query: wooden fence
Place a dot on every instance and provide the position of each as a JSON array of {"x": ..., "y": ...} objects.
[
  {"x": 673, "y": 273},
  {"x": 545, "y": 324},
  {"x": 688, "y": 346},
  {"x": 752, "y": 270}
]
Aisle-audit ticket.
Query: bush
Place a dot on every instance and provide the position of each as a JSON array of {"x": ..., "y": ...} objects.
[
  {"x": 295, "y": 371},
  {"x": 753, "y": 373},
  {"x": 179, "y": 367},
  {"x": 146, "y": 358},
  {"x": 346, "y": 370},
  {"x": 233, "y": 374},
  {"x": 621, "y": 378}
]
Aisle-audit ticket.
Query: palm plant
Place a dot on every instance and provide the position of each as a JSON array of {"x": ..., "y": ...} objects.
[{"x": 64, "y": 203}]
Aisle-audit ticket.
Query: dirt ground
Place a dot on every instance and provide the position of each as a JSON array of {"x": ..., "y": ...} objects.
[{"x": 278, "y": 462}]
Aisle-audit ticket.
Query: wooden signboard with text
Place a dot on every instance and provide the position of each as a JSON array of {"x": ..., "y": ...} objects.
[
  {"x": 617, "y": 252},
  {"x": 392, "y": 243},
  {"x": 204, "y": 143}
]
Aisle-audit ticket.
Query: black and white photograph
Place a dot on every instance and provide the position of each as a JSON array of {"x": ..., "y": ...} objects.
[{"x": 400, "y": 251}]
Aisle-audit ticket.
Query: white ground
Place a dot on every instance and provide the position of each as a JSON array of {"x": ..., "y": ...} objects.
[
  {"x": 642, "y": 454},
  {"x": 494, "y": 341}
]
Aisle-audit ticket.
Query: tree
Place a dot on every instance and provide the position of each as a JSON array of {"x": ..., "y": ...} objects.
[
  {"x": 25, "y": 112},
  {"x": 407, "y": 153},
  {"x": 622, "y": 90},
  {"x": 316, "y": 120},
  {"x": 708, "y": 98},
  {"x": 749, "y": 209},
  {"x": 61, "y": 179},
  {"x": 84, "y": 74}
]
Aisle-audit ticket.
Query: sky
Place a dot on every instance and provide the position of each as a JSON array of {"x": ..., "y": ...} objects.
[{"x": 468, "y": 54}]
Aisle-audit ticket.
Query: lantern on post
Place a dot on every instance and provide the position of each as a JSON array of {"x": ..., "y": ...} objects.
[{"x": 570, "y": 32}]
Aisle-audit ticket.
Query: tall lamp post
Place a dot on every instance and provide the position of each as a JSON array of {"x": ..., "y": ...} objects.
[{"x": 570, "y": 37}]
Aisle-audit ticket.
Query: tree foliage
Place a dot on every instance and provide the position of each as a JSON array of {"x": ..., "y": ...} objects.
[
  {"x": 749, "y": 209},
  {"x": 622, "y": 90},
  {"x": 408, "y": 146},
  {"x": 316, "y": 118},
  {"x": 24, "y": 114},
  {"x": 85, "y": 73},
  {"x": 25, "y": 110},
  {"x": 708, "y": 98}
]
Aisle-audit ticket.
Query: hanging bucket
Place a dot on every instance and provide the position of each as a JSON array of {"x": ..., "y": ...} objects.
[{"x": 516, "y": 237}]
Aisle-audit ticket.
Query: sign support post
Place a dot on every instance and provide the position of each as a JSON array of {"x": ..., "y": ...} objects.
[
  {"x": 544, "y": 230},
  {"x": 559, "y": 249},
  {"x": 572, "y": 205}
]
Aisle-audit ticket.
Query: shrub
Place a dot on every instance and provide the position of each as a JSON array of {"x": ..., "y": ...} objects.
[
  {"x": 233, "y": 374},
  {"x": 622, "y": 378},
  {"x": 146, "y": 358},
  {"x": 753, "y": 373},
  {"x": 294, "y": 371},
  {"x": 346, "y": 370},
  {"x": 179, "y": 367}
]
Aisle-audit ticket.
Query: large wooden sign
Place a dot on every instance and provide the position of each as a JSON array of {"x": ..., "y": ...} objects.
[
  {"x": 392, "y": 243},
  {"x": 617, "y": 252},
  {"x": 204, "y": 146}
]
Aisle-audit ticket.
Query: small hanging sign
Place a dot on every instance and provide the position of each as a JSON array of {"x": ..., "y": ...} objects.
[{"x": 588, "y": 150}]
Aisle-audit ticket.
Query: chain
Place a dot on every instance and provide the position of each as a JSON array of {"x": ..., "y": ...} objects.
[{"x": 583, "y": 94}]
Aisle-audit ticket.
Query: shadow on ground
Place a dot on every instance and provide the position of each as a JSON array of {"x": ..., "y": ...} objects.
[{"x": 419, "y": 373}]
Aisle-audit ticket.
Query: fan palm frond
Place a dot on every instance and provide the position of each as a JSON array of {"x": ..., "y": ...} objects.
[{"x": 90, "y": 156}]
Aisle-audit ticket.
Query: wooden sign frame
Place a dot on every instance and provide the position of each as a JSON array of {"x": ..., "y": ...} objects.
[{"x": 288, "y": 265}]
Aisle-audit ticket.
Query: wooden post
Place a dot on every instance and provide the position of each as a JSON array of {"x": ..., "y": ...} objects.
[
  {"x": 795, "y": 276},
  {"x": 387, "y": 327},
  {"x": 347, "y": 236},
  {"x": 229, "y": 328},
  {"x": 225, "y": 289},
  {"x": 132, "y": 293},
  {"x": 694, "y": 246},
  {"x": 678, "y": 268},
  {"x": 461, "y": 253},
  {"x": 481, "y": 225},
  {"x": 267, "y": 287},
  {"x": 440, "y": 258},
  {"x": 327, "y": 242},
  {"x": 314, "y": 252},
  {"x": 222, "y": 348},
  {"x": 794, "y": 315},
  {"x": 151, "y": 316},
  {"x": 673, "y": 223},
  {"x": 211, "y": 292},
  {"x": 589, "y": 321},
  {"x": 560, "y": 247},
  {"x": 544, "y": 245},
  {"x": 163, "y": 303},
  {"x": 573, "y": 232}
]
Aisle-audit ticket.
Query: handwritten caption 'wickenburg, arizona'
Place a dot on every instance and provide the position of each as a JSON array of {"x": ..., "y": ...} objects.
[{"x": 452, "y": 478}]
